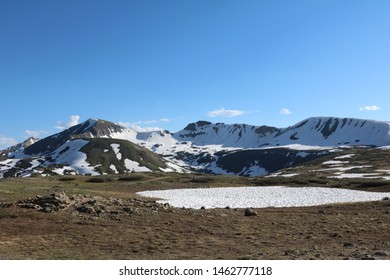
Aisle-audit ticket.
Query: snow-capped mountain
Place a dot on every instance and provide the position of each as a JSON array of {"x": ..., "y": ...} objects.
[
  {"x": 101, "y": 147},
  {"x": 322, "y": 131}
]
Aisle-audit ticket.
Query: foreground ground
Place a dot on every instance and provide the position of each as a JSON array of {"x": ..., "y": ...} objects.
[{"x": 343, "y": 231}]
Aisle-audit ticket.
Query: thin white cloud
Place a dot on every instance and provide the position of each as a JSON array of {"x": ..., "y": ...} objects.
[
  {"x": 285, "y": 111},
  {"x": 6, "y": 142},
  {"x": 370, "y": 108},
  {"x": 222, "y": 112},
  {"x": 144, "y": 129},
  {"x": 74, "y": 120},
  {"x": 151, "y": 121},
  {"x": 35, "y": 133},
  {"x": 138, "y": 126}
]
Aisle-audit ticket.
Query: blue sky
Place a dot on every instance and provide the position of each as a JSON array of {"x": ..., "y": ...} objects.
[{"x": 167, "y": 63}]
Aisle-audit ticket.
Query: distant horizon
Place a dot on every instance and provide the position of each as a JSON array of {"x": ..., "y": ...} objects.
[{"x": 165, "y": 64}]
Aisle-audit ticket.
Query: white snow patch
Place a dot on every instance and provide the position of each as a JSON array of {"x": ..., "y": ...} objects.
[
  {"x": 260, "y": 197},
  {"x": 113, "y": 168},
  {"x": 7, "y": 164},
  {"x": 280, "y": 174},
  {"x": 61, "y": 171},
  {"x": 134, "y": 166},
  {"x": 290, "y": 175},
  {"x": 334, "y": 162},
  {"x": 384, "y": 148},
  {"x": 301, "y": 147},
  {"x": 115, "y": 148},
  {"x": 342, "y": 169},
  {"x": 345, "y": 156},
  {"x": 215, "y": 169},
  {"x": 255, "y": 170},
  {"x": 356, "y": 175},
  {"x": 173, "y": 168},
  {"x": 302, "y": 154},
  {"x": 74, "y": 158}
]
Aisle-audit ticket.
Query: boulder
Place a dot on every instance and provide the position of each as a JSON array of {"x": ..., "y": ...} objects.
[{"x": 250, "y": 212}]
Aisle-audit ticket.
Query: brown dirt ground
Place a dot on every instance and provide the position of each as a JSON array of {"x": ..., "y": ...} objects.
[{"x": 343, "y": 231}]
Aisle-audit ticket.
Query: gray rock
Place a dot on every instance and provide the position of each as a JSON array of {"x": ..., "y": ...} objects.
[
  {"x": 382, "y": 254},
  {"x": 250, "y": 212}
]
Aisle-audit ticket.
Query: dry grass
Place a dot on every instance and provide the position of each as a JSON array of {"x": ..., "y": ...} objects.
[{"x": 341, "y": 231}]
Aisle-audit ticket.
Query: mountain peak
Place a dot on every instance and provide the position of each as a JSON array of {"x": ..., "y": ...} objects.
[
  {"x": 91, "y": 128},
  {"x": 194, "y": 126}
]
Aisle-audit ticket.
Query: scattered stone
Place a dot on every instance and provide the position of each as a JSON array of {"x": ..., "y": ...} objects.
[
  {"x": 6, "y": 205},
  {"x": 368, "y": 257},
  {"x": 292, "y": 253},
  {"x": 382, "y": 254},
  {"x": 336, "y": 235},
  {"x": 128, "y": 210},
  {"x": 250, "y": 212},
  {"x": 47, "y": 209},
  {"x": 348, "y": 245},
  {"x": 202, "y": 208},
  {"x": 30, "y": 206},
  {"x": 85, "y": 209},
  {"x": 386, "y": 198},
  {"x": 92, "y": 206},
  {"x": 322, "y": 212}
]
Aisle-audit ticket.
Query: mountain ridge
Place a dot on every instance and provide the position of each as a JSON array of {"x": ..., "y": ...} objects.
[
  {"x": 320, "y": 130},
  {"x": 218, "y": 148}
]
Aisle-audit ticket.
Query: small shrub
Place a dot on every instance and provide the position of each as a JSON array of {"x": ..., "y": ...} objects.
[
  {"x": 98, "y": 180},
  {"x": 64, "y": 179},
  {"x": 132, "y": 178},
  {"x": 373, "y": 184},
  {"x": 202, "y": 180}
]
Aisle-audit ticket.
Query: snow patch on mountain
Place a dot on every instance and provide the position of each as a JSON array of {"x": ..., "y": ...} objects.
[
  {"x": 113, "y": 168},
  {"x": 134, "y": 166},
  {"x": 115, "y": 148},
  {"x": 320, "y": 131},
  {"x": 69, "y": 154}
]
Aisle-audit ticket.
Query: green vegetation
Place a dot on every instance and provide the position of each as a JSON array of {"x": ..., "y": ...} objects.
[
  {"x": 100, "y": 153},
  {"x": 132, "y": 178}
]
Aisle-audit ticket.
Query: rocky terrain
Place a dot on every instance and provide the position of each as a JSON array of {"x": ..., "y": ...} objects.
[
  {"x": 92, "y": 206},
  {"x": 80, "y": 219}
]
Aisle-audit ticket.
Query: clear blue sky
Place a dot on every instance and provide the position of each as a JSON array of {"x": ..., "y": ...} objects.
[{"x": 167, "y": 63}]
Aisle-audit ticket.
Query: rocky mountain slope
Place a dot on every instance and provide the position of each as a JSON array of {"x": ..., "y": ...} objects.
[
  {"x": 102, "y": 147},
  {"x": 322, "y": 131}
]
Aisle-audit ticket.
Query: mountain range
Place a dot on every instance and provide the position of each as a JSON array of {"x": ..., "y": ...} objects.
[{"x": 97, "y": 147}]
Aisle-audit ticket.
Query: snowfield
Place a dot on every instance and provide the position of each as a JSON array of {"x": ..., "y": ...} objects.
[
  {"x": 115, "y": 148},
  {"x": 260, "y": 197}
]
